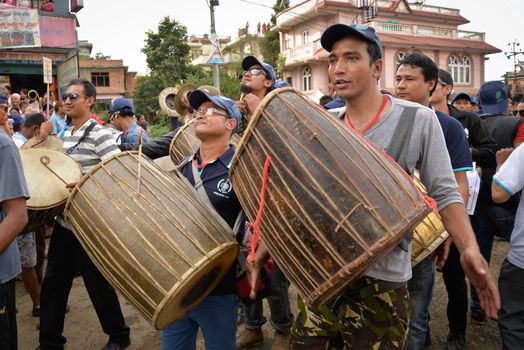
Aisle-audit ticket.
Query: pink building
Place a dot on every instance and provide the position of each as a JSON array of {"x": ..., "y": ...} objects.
[{"x": 403, "y": 27}]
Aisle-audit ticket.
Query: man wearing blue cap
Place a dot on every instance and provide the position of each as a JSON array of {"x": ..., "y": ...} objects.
[
  {"x": 258, "y": 80},
  {"x": 216, "y": 118},
  {"x": 123, "y": 118},
  {"x": 373, "y": 313},
  {"x": 462, "y": 102}
]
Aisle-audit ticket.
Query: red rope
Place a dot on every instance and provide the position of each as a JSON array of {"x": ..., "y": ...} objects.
[{"x": 256, "y": 226}]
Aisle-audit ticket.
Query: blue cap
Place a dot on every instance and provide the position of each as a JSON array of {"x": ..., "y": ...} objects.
[
  {"x": 250, "y": 61},
  {"x": 197, "y": 97},
  {"x": 461, "y": 96},
  {"x": 336, "y": 103},
  {"x": 494, "y": 97},
  {"x": 281, "y": 84},
  {"x": 339, "y": 31},
  {"x": 474, "y": 99},
  {"x": 122, "y": 105}
]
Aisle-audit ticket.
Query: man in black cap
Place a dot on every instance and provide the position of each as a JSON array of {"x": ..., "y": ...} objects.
[
  {"x": 374, "y": 312},
  {"x": 461, "y": 101}
]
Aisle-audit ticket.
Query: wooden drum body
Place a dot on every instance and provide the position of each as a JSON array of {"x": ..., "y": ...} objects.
[
  {"x": 48, "y": 193},
  {"x": 429, "y": 234},
  {"x": 334, "y": 205},
  {"x": 160, "y": 246}
]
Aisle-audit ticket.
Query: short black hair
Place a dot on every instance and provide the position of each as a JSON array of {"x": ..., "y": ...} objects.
[
  {"x": 428, "y": 67},
  {"x": 89, "y": 88},
  {"x": 325, "y": 100},
  {"x": 57, "y": 106},
  {"x": 34, "y": 119}
]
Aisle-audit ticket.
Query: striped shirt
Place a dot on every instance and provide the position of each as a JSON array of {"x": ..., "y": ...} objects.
[{"x": 97, "y": 146}]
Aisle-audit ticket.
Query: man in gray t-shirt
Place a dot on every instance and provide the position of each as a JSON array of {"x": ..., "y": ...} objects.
[
  {"x": 13, "y": 217},
  {"x": 373, "y": 313}
]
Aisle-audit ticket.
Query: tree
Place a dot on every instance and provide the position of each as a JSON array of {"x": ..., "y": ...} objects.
[
  {"x": 271, "y": 43},
  {"x": 279, "y": 6},
  {"x": 167, "y": 52},
  {"x": 101, "y": 56},
  {"x": 145, "y": 96}
]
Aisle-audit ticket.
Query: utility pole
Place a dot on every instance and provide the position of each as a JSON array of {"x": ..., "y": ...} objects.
[
  {"x": 514, "y": 51},
  {"x": 214, "y": 39}
]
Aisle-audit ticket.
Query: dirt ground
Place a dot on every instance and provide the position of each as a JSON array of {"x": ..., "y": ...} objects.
[{"x": 83, "y": 330}]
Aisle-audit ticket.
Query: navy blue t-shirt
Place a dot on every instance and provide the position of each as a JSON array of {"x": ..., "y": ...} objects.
[
  {"x": 456, "y": 142},
  {"x": 219, "y": 189}
]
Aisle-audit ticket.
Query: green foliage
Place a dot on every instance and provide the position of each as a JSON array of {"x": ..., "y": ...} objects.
[
  {"x": 271, "y": 47},
  {"x": 167, "y": 52},
  {"x": 279, "y": 6},
  {"x": 281, "y": 62},
  {"x": 145, "y": 96},
  {"x": 101, "y": 56},
  {"x": 161, "y": 127}
]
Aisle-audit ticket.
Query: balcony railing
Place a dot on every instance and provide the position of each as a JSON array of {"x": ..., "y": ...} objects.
[
  {"x": 302, "y": 52},
  {"x": 435, "y": 32}
]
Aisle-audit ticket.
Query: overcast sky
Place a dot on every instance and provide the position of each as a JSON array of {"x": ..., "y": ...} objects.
[{"x": 117, "y": 27}]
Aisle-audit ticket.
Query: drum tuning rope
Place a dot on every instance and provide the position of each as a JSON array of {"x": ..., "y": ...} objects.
[
  {"x": 45, "y": 162},
  {"x": 139, "y": 160},
  {"x": 256, "y": 226}
]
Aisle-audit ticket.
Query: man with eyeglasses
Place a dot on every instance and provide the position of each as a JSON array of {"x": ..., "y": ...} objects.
[
  {"x": 216, "y": 118},
  {"x": 122, "y": 117},
  {"x": 483, "y": 148},
  {"x": 258, "y": 80},
  {"x": 89, "y": 143}
]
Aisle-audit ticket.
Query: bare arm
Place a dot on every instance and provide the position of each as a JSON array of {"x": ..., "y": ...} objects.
[
  {"x": 498, "y": 194},
  {"x": 14, "y": 221}
]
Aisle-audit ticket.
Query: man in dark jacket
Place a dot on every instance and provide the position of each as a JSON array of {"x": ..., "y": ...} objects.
[{"x": 483, "y": 149}]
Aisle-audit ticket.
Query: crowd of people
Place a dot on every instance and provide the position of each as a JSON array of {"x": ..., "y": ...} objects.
[{"x": 452, "y": 140}]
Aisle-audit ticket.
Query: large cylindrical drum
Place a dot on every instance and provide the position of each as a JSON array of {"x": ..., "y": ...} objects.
[
  {"x": 427, "y": 235},
  {"x": 334, "y": 205},
  {"x": 46, "y": 172},
  {"x": 50, "y": 141},
  {"x": 150, "y": 235},
  {"x": 185, "y": 143}
]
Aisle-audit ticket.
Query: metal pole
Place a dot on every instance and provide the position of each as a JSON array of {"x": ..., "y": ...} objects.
[
  {"x": 48, "y": 98},
  {"x": 216, "y": 77}
]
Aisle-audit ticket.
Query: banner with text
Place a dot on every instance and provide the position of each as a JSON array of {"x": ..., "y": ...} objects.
[{"x": 18, "y": 27}]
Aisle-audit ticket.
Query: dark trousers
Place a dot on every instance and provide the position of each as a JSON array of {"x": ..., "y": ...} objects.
[
  {"x": 8, "y": 334},
  {"x": 65, "y": 255},
  {"x": 455, "y": 281},
  {"x": 511, "y": 316}
]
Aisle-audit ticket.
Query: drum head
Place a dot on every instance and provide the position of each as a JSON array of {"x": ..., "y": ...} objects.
[
  {"x": 51, "y": 142},
  {"x": 45, "y": 188}
]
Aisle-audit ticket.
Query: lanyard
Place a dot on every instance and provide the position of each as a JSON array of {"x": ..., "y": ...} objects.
[{"x": 372, "y": 121}]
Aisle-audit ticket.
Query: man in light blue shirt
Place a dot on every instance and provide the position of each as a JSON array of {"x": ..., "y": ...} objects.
[
  {"x": 123, "y": 118},
  {"x": 58, "y": 118}
]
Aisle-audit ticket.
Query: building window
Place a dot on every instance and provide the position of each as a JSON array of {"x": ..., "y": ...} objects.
[
  {"x": 196, "y": 53},
  {"x": 287, "y": 44},
  {"x": 460, "y": 69},
  {"x": 306, "y": 79},
  {"x": 289, "y": 81},
  {"x": 305, "y": 37},
  {"x": 100, "y": 79}
]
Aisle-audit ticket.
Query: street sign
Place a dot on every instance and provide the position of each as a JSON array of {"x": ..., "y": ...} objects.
[{"x": 48, "y": 70}]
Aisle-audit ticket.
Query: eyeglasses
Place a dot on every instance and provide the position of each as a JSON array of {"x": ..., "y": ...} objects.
[
  {"x": 73, "y": 96},
  {"x": 208, "y": 112},
  {"x": 519, "y": 112},
  {"x": 443, "y": 84},
  {"x": 254, "y": 71}
]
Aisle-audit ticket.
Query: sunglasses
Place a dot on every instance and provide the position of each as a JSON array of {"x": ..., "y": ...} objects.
[
  {"x": 208, "y": 112},
  {"x": 73, "y": 96},
  {"x": 519, "y": 112},
  {"x": 254, "y": 71}
]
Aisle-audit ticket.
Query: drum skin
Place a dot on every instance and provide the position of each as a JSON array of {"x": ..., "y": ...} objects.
[
  {"x": 185, "y": 143},
  {"x": 47, "y": 192},
  {"x": 50, "y": 141},
  {"x": 334, "y": 203},
  {"x": 163, "y": 248},
  {"x": 427, "y": 235}
]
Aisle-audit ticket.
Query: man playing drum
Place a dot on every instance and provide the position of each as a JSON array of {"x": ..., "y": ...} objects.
[
  {"x": 258, "y": 80},
  {"x": 13, "y": 218},
  {"x": 217, "y": 117},
  {"x": 379, "y": 300},
  {"x": 88, "y": 143}
]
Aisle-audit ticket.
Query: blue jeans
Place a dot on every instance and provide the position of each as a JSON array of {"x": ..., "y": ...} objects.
[
  {"x": 216, "y": 315},
  {"x": 281, "y": 317},
  {"x": 489, "y": 220},
  {"x": 420, "y": 289}
]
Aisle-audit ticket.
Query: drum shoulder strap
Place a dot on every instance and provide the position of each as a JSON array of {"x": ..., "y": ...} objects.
[
  {"x": 84, "y": 135},
  {"x": 397, "y": 150}
]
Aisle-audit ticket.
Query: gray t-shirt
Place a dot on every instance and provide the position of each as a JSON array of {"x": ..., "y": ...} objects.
[
  {"x": 12, "y": 185},
  {"x": 427, "y": 152}
]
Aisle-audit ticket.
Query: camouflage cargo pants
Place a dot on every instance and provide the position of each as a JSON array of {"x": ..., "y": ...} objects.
[{"x": 375, "y": 315}]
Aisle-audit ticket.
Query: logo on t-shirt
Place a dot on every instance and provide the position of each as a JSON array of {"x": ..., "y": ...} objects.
[{"x": 224, "y": 186}]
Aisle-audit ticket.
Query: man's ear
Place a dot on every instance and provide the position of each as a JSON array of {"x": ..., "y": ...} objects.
[{"x": 268, "y": 83}]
